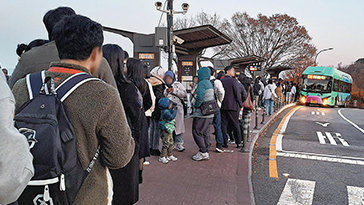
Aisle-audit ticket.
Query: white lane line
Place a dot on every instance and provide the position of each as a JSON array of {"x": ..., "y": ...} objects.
[
  {"x": 345, "y": 143},
  {"x": 283, "y": 129},
  {"x": 355, "y": 195},
  {"x": 321, "y": 137},
  {"x": 347, "y": 120},
  {"x": 331, "y": 139},
  {"x": 324, "y": 155},
  {"x": 285, "y": 124},
  {"x": 313, "y": 112},
  {"x": 279, "y": 142},
  {"x": 336, "y": 159},
  {"x": 298, "y": 192}
]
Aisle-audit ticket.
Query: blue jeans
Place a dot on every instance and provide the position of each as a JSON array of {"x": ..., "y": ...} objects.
[
  {"x": 268, "y": 106},
  {"x": 218, "y": 132}
]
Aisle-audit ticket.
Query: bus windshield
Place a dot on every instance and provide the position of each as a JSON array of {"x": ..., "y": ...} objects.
[{"x": 317, "y": 86}]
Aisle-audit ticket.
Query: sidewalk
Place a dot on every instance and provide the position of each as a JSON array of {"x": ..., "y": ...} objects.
[{"x": 221, "y": 180}]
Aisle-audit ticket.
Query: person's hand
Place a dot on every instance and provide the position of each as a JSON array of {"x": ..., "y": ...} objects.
[{"x": 170, "y": 90}]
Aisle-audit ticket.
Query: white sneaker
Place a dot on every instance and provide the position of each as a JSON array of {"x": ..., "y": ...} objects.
[
  {"x": 179, "y": 147},
  {"x": 231, "y": 142},
  {"x": 172, "y": 158},
  {"x": 205, "y": 156},
  {"x": 146, "y": 163},
  {"x": 219, "y": 150},
  {"x": 201, "y": 156},
  {"x": 163, "y": 160},
  {"x": 197, "y": 157}
]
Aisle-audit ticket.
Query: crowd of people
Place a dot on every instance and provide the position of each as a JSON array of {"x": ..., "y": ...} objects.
[{"x": 119, "y": 111}]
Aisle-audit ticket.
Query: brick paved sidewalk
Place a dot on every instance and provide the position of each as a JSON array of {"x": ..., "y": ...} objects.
[{"x": 221, "y": 180}]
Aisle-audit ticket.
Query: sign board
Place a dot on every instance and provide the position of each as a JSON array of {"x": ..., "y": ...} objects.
[
  {"x": 187, "y": 68},
  {"x": 187, "y": 63},
  {"x": 146, "y": 56}
]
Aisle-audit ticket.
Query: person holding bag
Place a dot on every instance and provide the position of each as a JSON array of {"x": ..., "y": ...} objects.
[
  {"x": 247, "y": 110},
  {"x": 202, "y": 115}
]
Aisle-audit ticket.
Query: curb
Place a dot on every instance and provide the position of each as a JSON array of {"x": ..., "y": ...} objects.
[{"x": 251, "y": 148}]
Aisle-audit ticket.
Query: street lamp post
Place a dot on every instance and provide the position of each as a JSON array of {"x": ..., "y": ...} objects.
[
  {"x": 170, "y": 12},
  {"x": 323, "y": 50}
]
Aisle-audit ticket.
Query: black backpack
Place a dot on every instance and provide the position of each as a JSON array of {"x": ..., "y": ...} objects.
[
  {"x": 44, "y": 121},
  {"x": 256, "y": 89}
]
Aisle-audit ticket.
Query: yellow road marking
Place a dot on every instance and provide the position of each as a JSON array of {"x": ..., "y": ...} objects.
[{"x": 273, "y": 170}]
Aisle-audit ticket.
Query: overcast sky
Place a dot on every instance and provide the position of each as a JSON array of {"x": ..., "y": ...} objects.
[{"x": 331, "y": 23}]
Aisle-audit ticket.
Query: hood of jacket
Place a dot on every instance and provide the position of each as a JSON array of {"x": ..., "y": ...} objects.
[
  {"x": 155, "y": 80},
  {"x": 204, "y": 73},
  {"x": 170, "y": 74},
  {"x": 163, "y": 103}
]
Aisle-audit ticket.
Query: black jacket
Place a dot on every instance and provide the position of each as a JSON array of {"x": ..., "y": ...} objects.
[
  {"x": 126, "y": 179},
  {"x": 159, "y": 93}
]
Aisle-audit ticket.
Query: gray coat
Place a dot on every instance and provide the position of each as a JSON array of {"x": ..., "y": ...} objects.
[
  {"x": 39, "y": 58},
  {"x": 16, "y": 168},
  {"x": 180, "y": 91}
]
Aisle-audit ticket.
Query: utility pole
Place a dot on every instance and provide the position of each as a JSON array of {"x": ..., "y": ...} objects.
[
  {"x": 170, "y": 33},
  {"x": 170, "y": 12}
]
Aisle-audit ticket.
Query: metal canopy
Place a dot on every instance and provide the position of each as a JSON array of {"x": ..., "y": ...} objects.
[
  {"x": 278, "y": 69},
  {"x": 245, "y": 61},
  {"x": 200, "y": 37},
  {"x": 274, "y": 71}
]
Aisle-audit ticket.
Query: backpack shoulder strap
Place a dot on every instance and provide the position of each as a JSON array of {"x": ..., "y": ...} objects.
[
  {"x": 71, "y": 84},
  {"x": 35, "y": 82}
]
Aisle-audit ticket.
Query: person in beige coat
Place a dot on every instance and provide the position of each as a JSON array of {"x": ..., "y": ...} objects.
[{"x": 94, "y": 108}]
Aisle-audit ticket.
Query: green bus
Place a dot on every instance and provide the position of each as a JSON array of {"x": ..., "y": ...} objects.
[{"x": 325, "y": 86}]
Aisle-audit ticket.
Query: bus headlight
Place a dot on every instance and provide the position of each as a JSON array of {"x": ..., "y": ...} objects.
[
  {"x": 325, "y": 101},
  {"x": 303, "y": 99}
]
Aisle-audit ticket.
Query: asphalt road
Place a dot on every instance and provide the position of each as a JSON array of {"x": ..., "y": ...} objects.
[{"x": 320, "y": 159}]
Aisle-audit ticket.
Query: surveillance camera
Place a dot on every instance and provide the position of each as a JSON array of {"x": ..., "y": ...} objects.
[
  {"x": 178, "y": 40},
  {"x": 185, "y": 6},
  {"x": 158, "y": 5}
]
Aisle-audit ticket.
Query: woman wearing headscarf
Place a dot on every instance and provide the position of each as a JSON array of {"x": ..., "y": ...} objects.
[
  {"x": 126, "y": 180},
  {"x": 175, "y": 91}
]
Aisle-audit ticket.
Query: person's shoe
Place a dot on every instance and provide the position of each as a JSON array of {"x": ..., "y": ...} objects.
[
  {"x": 205, "y": 156},
  {"x": 155, "y": 152},
  {"x": 219, "y": 150},
  {"x": 239, "y": 145},
  {"x": 163, "y": 160},
  {"x": 172, "y": 158},
  {"x": 225, "y": 146},
  {"x": 198, "y": 156},
  {"x": 231, "y": 142},
  {"x": 179, "y": 147},
  {"x": 146, "y": 163}
]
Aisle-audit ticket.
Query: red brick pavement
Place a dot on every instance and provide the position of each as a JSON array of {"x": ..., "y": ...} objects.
[{"x": 221, "y": 180}]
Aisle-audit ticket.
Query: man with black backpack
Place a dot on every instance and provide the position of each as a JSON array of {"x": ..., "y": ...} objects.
[{"x": 75, "y": 124}]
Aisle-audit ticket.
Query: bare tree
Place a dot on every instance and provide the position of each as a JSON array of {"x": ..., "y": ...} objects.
[{"x": 279, "y": 38}]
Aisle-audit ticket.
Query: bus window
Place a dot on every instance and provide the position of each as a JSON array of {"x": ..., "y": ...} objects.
[{"x": 336, "y": 85}]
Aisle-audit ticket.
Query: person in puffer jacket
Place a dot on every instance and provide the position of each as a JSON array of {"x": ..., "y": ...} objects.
[
  {"x": 201, "y": 123},
  {"x": 167, "y": 125}
]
